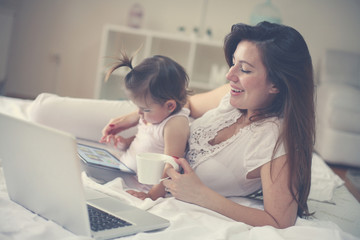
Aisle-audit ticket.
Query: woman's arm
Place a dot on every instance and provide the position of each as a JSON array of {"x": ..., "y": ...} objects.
[
  {"x": 202, "y": 102},
  {"x": 280, "y": 210}
]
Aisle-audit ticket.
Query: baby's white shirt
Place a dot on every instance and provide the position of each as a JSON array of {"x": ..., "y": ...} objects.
[{"x": 149, "y": 138}]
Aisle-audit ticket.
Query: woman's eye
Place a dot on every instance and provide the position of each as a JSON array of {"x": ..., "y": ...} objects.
[{"x": 244, "y": 71}]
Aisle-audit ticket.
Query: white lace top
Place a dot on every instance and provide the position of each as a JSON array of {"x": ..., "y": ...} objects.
[{"x": 223, "y": 167}]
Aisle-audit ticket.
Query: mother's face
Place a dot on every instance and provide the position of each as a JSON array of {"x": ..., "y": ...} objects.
[{"x": 250, "y": 88}]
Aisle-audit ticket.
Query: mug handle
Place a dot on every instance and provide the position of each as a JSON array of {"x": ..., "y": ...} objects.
[{"x": 173, "y": 163}]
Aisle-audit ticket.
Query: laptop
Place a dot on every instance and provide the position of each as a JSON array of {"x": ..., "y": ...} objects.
[{"x": 42, "y": 173}]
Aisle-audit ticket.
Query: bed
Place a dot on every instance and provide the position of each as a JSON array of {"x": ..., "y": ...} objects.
[{"x": 337, "y": 212}]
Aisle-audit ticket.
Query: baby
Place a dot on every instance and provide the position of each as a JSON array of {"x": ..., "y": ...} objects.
[{"x": 158, "y": 86}]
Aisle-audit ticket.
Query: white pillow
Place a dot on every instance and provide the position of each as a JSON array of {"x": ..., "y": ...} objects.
[{"x": 84, "y": 118}]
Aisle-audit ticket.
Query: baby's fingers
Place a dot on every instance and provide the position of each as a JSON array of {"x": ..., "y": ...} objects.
[{"x": 140, "y": 195}]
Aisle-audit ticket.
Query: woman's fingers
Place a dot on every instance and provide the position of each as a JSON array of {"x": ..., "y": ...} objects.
[
  {"x": 186, "y": 187},
  {"x": 184, "y": 164},
  {"x": 172, "y": 173}
]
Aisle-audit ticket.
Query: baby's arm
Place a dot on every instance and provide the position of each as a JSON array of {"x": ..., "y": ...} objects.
[
  {"x": 176, "y": 134},
  {"x": 119, "y": 124}
]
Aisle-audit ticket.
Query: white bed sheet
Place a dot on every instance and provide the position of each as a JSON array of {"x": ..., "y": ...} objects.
[
  {"x": 337, "y": 212},
  {"x": 15, "y": 107}
]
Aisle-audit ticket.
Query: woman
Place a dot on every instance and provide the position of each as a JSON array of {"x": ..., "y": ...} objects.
[{"x": 260, "y": 136}]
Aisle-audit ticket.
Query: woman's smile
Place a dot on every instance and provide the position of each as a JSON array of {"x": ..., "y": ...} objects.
[{"x": 236, "y": 91}]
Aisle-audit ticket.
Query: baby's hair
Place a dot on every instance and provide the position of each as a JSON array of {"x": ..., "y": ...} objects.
[
  {"x": 123, "y": 61},
  {"x": 158, "y": 77}
]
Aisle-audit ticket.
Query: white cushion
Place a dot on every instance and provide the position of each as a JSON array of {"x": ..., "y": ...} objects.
[
  {"x": 338, "y": 123},
  {"x": 341, "y": 67},
  {"x": 337, "y": 147},
  {"x": 84, "y": 118},
  {"x": 338, "y": 107}
]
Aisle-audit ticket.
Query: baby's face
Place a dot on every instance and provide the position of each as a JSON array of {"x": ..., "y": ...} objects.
[{"x": 152, "y": 112}]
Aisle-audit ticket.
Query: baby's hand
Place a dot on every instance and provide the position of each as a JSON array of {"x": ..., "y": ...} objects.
[
  {"x": 119, "y": 124},
  {"x": 121, "y": 143},
  {"x": 117, "y": 142},
  {"x": 141, "y": 195}
]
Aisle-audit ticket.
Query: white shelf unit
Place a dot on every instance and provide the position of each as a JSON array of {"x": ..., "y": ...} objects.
[{"x": 203, "y": 59}]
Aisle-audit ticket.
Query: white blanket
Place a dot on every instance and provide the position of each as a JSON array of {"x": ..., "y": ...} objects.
[
  {"x": 337, "y": 216},
  {"x": 188, "y": 221}
]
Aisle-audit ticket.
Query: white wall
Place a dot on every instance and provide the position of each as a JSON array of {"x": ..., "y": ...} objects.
[
  {"x": 55, "y": 43},
  {"x": 6, "y": 23}
]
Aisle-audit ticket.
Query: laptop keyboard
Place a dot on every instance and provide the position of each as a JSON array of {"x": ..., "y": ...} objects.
[{"x": 100, "y": 220}]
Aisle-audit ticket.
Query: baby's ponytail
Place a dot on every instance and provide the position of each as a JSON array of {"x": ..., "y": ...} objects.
[{"x": 123, "y": 61}]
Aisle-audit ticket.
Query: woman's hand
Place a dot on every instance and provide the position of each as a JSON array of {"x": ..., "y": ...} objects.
[{"x": 186, "y": 187}]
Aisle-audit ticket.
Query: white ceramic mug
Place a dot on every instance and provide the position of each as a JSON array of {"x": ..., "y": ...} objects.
[{"x": 150, "y": 166}]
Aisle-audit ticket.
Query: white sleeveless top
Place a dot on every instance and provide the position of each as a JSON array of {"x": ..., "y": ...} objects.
[
  {"x": 149, "y": 138},
  {"x": 223, "y": 167}
]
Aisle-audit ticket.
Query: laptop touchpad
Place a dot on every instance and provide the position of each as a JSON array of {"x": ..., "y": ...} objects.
[{"x": 110, "y": 204}]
